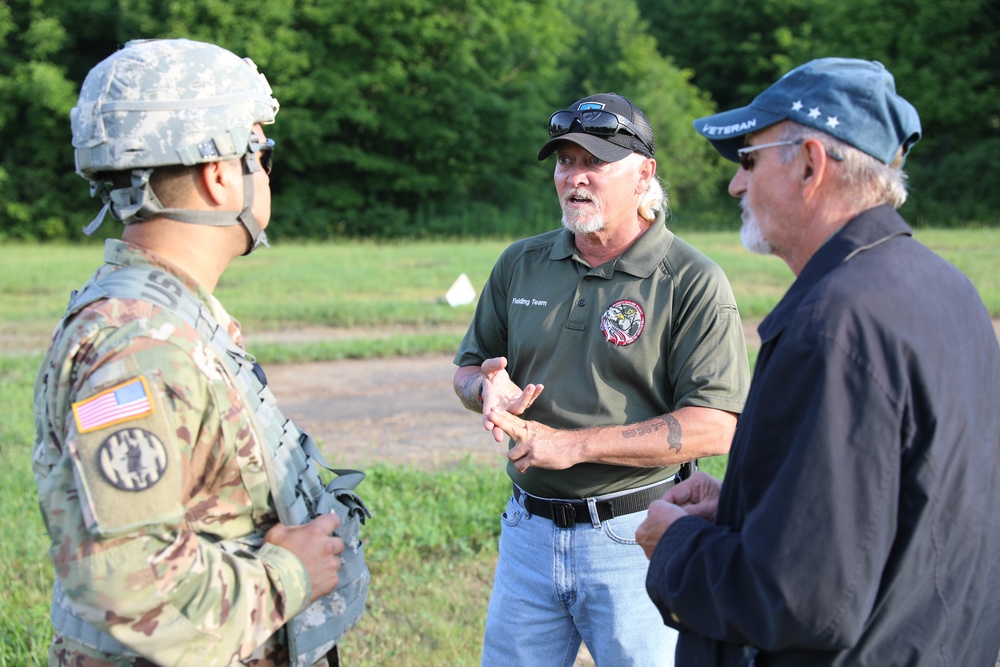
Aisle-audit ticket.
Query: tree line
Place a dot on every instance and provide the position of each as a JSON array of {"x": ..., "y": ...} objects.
[{"x": 410, "y": 118}]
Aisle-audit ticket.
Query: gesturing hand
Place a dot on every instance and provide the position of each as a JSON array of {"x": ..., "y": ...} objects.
[
  {"x": 317, "y": 548},
  {"x": 535, "y": 445},
  {"x": 499, "y": 391}
]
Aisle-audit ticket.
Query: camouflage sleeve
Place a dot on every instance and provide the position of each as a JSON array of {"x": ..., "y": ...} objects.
[{"x": 156, "y": 477}]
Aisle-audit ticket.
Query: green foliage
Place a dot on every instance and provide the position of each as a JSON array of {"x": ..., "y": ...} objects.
[
  {"x": 35, "y": 98},
  {"x": 412, "y": 111},
  {"x": 421, "y": 118},
  {"x": 942, "y": 55},
  {"x": 622, "y": 57},
  {"x": 735, "y": 48}
]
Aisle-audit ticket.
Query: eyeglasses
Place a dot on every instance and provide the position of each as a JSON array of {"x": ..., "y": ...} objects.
[
  {"x": 594, "y": 121},
  {"x": 746, "y": 154},
  {"x": 266, "y": 151},
  {"x": 747, "y": 159}
]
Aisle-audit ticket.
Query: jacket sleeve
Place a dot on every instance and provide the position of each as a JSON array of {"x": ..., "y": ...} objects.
[
  {"x": 814, "y": 473},
  {"x": 144, "y": 512}
]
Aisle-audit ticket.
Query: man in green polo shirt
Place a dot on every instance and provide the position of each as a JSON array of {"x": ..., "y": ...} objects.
[{"x": 636, "y": 340}]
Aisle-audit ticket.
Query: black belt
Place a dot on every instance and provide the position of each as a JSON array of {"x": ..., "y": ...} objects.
[{"x": 565, "y": 513}]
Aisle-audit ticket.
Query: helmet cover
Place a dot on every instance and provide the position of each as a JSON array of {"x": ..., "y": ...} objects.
[{"x": 167, "y": 102}]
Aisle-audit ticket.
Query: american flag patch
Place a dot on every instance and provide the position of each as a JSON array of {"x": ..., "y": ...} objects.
[{"x": 129, "y": 400}]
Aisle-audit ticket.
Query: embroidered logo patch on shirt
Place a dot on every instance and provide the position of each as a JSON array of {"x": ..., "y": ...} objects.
[
  {"x": 622, "y": 322},
  {"x": 126, "y": 401}
]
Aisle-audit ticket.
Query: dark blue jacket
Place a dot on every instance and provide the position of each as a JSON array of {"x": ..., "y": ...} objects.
[{"x": 859, "y": 521}]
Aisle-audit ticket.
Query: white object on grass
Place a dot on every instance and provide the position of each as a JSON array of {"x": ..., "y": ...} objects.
[{"x": 461, "y": 292}]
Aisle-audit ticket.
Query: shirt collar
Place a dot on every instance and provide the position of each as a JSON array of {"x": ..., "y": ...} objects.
[{"x": 640, "y": 260}]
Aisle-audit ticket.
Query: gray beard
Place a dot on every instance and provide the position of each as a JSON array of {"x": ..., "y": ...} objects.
[
  {"x": 751, "y": 236},
  {"x": 577, "y": 226}
]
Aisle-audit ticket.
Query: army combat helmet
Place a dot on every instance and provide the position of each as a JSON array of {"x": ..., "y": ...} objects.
[{"x": 165, "y": 102}]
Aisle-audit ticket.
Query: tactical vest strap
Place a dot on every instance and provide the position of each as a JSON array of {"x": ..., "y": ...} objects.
[{"x": 298, "y": 491}]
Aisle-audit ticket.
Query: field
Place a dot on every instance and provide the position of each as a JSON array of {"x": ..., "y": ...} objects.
[{"x": 432, "y": 545}]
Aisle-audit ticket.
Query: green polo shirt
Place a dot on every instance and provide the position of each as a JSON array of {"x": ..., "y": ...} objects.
[{"x": 639, "y": 336}]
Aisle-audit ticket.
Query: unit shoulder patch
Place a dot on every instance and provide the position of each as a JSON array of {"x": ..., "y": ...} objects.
[{"x": 132, "y": 459}]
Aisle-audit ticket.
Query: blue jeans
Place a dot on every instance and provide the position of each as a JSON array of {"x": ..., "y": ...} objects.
[{"x": 557, "y": 586}]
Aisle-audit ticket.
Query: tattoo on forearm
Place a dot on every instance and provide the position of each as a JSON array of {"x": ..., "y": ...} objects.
[
  {"x": 668, "y": 422},
  {"x": 468, "y": 392},
  {"x": 673, "y": 432}
]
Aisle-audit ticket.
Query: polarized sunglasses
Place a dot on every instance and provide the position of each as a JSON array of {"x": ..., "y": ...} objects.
[{"x": 598, "y": 122}]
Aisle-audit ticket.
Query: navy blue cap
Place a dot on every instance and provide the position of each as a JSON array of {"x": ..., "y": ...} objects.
[
  {"x": 609, "y": 149},
  {"x": 852, "y": 100}
]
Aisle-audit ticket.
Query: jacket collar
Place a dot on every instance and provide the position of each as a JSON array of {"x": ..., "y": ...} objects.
[{"x": 867, "y": 230}]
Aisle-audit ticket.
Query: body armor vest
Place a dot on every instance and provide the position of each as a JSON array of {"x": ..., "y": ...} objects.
[{"x": 298, "y": 491}]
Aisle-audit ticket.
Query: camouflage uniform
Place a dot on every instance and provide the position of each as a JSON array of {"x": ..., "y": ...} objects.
[{"x": 136, "y": 503}]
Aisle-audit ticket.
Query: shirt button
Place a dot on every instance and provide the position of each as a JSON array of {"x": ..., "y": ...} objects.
[{"x": 581, "y": 302}]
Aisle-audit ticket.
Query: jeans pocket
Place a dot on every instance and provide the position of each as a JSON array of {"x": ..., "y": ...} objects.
[
  {"x": 513, "y": 514},
  {"x": 622, "y": 529}
]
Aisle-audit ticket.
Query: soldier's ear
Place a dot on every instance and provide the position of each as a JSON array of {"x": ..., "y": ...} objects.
[{"x": 221, "y": 183}]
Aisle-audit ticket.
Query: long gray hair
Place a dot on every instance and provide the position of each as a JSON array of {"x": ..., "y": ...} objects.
[{"x": 654, "y": 199}]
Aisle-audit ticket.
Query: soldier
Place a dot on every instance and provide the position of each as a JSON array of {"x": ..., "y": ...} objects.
[{"x": 187, "y": 523}]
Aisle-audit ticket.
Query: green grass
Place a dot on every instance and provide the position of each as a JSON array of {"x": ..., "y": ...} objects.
[
  {"x": 432, "y": 540},
  {"x": 372, "y": 288},
  {"x": 25, "y": 568}
]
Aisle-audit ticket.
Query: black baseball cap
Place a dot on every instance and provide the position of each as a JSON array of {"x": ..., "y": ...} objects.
[{"x": 608, "y": 147}]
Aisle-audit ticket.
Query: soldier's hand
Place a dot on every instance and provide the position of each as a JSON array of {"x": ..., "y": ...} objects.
[{"x": 316, "y": 546}]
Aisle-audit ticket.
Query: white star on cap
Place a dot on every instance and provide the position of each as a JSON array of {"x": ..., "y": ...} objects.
[
  {"x": 814, "y": 112},
  {"x": 797, "y": 105},
  {"x": 832, "y": 121}
]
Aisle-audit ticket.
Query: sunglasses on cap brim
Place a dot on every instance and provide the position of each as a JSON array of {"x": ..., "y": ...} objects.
[{"x": 597, "y": 122}]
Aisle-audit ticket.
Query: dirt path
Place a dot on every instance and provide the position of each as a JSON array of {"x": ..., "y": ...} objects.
[{"x": 398, "y": 410}]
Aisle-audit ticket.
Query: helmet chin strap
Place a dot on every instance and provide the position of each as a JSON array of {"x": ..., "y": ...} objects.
[
  {"x": 139, "y": 203},
  {"x": 246, "y": 216}
]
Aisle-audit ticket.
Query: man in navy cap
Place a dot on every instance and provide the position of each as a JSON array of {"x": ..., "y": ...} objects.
[
  {"x": 637, "y": 341},
  {"x": 857, "y": 523}
]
